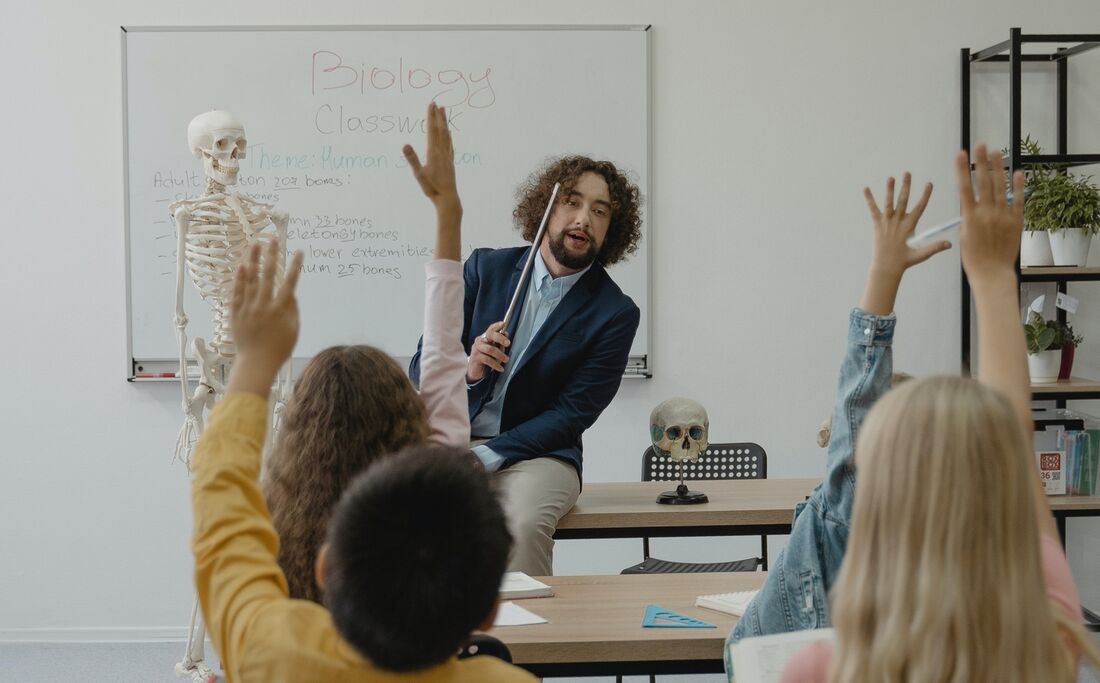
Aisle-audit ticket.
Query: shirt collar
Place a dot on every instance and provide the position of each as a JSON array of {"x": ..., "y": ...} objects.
[{"x": 542, "y": 275}]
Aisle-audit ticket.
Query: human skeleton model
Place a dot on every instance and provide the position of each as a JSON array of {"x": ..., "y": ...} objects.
[{"x": 215, "y": 232}]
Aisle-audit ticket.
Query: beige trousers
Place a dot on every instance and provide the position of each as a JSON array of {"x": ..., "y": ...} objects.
[{"x": 535, "y": 494}]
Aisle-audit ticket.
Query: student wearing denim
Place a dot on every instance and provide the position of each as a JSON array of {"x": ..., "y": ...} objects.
[{"x": 794, "y": 596}]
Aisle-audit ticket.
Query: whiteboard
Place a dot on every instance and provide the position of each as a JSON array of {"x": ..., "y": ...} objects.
[{"x": 326, "y": 112}]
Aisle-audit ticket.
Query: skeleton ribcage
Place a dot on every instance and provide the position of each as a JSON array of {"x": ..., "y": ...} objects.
[{"x": 216, "y": 243}]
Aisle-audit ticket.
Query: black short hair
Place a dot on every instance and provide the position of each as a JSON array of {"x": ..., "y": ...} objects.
[{"x": 417, "y": 547}]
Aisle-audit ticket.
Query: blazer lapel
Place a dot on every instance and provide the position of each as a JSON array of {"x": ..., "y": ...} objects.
[
  {"x": 577, "y": 297},
  {"x": 512, "y": 282}
]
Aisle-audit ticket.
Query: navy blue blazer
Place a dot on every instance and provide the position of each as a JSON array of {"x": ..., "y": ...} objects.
[{"x": 571, "y": 369}]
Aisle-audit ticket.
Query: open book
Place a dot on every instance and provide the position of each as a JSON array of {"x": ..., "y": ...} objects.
[
  {"x": 761, "y": 659},
  {"x": 730, "y": 603},
  {"x": 516, "y": 585}
]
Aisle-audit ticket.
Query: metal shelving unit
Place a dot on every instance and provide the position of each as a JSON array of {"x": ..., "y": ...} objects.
[
  {"x": 1059, "y": 54},
  {"x": 1062, "y": 48}
]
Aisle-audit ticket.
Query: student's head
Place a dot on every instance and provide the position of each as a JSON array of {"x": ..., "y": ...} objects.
[
  {"x": 415, "y": 554},
  {"x": 941, "y": 578},
  {"x": 596, "y": 217},
  {"x": 351, "y": 405}
]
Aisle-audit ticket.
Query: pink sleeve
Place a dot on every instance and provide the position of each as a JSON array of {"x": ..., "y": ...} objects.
[
  {"x": 809, "y": 665},
  {"x": 442, "y": 358},
  {"x": 1060, "y": 585}
]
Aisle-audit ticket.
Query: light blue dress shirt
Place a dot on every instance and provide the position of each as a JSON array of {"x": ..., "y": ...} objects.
[{"x": 543, "y": 296}]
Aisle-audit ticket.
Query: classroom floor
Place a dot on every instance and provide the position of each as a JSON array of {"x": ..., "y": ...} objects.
[{"x": 152, "y": 663}]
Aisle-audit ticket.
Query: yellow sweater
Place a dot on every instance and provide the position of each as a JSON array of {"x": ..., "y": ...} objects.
[{"x": 261, "y": 634}]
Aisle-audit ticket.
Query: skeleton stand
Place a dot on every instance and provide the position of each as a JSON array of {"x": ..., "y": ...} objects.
[{"x": 682, "y": 496}]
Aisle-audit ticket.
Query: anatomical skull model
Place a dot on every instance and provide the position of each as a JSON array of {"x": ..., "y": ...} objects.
[
  {"x": 679, "y": 429},
  {"x": 215, "y": 232}
]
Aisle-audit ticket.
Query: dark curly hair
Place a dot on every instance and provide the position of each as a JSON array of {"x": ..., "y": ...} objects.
[
  {"x": 351, "y": 405},
  {"x": 625, "y": 230}
]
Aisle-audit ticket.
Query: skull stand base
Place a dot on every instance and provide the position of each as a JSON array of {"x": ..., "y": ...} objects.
[{"x": 682, "y": 496}]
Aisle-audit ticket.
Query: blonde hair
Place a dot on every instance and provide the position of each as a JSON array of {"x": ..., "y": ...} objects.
[{"x": 942, "y": 579}]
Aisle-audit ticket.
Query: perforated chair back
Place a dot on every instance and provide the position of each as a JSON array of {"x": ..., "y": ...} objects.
[
  {"x": 482, "y": 644},
  {"x": 718, "y": 461}
]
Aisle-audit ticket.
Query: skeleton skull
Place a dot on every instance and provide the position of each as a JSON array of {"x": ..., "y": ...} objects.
[
  {"x": 218, "y": 139},
  {"x": 678, "y": 428}
]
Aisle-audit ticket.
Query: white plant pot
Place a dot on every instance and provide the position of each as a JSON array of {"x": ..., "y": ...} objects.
[
  {"x": 1035, "y": 249},
  {"x": 1070, "y": 246},
  {"x": 1043, "y": 366}
]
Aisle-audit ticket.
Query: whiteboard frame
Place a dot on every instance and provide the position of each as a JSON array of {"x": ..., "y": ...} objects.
[{"x": 638, "y": 366}]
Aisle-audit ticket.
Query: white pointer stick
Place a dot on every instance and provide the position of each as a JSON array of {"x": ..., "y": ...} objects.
[
  {"x": 530, "y": 260},
  {"x": 923, "y": 238}
]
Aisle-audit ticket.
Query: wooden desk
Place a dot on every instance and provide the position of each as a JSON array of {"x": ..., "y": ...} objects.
[
  {"x": 596, "y": 629},
  {"x": 736, "y": 508}
]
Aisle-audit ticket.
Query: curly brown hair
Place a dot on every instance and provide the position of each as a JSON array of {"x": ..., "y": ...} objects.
[
  {"x": 351, "y": 405},
  {"x": 625, "y": 231}
]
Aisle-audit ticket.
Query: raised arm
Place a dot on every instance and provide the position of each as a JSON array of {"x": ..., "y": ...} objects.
[
  {"x": 233, "y": 541},
  {"x": 442, "y": 360},
  {"x": 891, "y": 257},
  {"x": 990, "y": 241},
  {"x": 866, "y": 370},
  {"x": 990, "y": 237}
]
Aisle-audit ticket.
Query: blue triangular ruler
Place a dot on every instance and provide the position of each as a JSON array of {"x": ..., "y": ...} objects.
[{"x": 659, "y": 617}]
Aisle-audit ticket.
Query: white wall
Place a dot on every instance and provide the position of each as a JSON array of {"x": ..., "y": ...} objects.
[{"x": 769, "y": 118}]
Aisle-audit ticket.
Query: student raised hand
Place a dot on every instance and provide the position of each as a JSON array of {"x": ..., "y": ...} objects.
[
  {"x": 893, "y": 224},
  {"x": 264, "y": 322},
  {"x": 991, "y": 227},
  {"x": 436, "y": 177},
  {"x": 990, "y": 241}
]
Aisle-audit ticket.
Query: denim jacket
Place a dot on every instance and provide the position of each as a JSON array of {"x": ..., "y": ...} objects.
[{"x": 793, "y": 597}]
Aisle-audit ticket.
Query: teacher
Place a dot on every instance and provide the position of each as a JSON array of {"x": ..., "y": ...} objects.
[{"x": 535, "y": 388}]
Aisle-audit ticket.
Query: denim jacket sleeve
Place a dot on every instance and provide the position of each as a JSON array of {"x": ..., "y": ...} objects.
[{"x": 793, "y": 596}]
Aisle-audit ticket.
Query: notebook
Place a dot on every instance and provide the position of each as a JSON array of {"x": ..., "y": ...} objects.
[
  {"x": 730, "y": 603},
  {"x": 516, "y": 585},
  {"x": 761, "y": 659}
]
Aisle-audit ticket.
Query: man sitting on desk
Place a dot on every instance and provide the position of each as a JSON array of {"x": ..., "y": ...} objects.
[{"x": 535, "y": 388}]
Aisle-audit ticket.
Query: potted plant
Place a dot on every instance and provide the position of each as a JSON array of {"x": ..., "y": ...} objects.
[
  {"x": 1043, "y": 361},
  {"x": 1035, "y": 242},
  {"x": 1070, "y": 340},
  {"x": 1065, "y": 206}
]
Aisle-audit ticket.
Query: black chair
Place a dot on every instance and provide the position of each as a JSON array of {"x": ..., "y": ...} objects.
[
  {"x": 481, "y": 644},
  {"x": 718, "y": 461}
]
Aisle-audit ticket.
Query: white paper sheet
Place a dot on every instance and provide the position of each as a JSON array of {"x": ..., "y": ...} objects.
[{"x": 511, "y": 614}]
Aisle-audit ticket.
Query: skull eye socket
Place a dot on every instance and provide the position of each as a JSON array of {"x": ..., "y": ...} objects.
[
  {"x": 696, "y": 432},
  {"x": 674, "y": 433},
  {"x": 221, "y": 143}
]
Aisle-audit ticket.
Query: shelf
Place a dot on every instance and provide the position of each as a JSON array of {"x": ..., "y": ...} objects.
[
  {"x": 1059, "y": 274},
  {"x": 997, "y": 53},
  {"x": 1060, "y": 159},
  {"x": 1073, "y": 388},
  {"x": 1064, "y": 160}
]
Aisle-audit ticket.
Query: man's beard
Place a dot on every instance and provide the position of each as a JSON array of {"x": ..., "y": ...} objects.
[{"x": 569, "y": 259}]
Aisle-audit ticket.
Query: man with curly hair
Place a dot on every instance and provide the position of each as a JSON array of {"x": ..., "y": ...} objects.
[{"x": 537, "y": 386}]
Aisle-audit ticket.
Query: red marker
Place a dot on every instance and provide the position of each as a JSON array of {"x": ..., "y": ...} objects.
[{"x": 153, "y": 375}]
